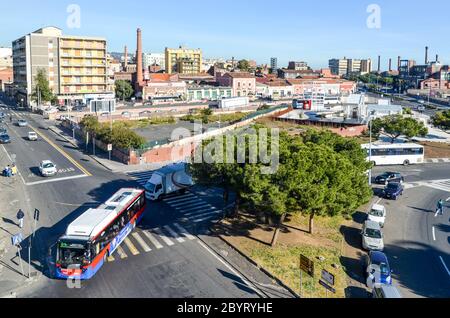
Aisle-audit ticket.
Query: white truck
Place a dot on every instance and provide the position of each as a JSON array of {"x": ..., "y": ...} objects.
[
  {"x": 168, "y": 180},
  {"x": 232, "y": 103}
]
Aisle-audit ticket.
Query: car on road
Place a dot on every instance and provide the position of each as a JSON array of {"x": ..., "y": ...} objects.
[
  {"x": 126, "y": 114},
  {"x": 2, "y": 115},
  {"x": 372, "y": 236},
  {"x": 377, "y": 214},
  {"x": 5, "y": 139},
  {"x": 388, "y": 177},
  {"x": 32, "y": 136},
  {"x": 22, "y": 123},
  {"x": 47, "y": 168},
  {"x": 3, "y": 131},
  {"x": 377, "y": 265},
  {"x": 421, "y": 108},
  {"x": 385, "y": 291},
  {"x": 393, "y": 190}
]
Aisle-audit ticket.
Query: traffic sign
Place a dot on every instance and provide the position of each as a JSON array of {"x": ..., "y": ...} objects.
[
  {"x": 110, "y": 147},
  {"x": 327, "y": 287},
  {"x": 37, "y": 214},
  {"x": 17, "y": 239},
  {"x": 328, "y": 277},
  {"x": 20, "y": 214},
  {"x": 307, "y": 265}
]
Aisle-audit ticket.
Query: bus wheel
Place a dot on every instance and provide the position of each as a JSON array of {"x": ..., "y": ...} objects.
[{"x": 406, "y": 163}]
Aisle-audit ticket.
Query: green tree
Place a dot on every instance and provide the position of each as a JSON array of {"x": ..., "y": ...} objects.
[
  {"x": 42, "y": 88},
  {"x": 442, "y": 119},
  {"x": 243, "y": 65},
  {"x": 205, "y": 114},
  {"x": 124, "y": 90},
  {"x": 396, "y": 126}
]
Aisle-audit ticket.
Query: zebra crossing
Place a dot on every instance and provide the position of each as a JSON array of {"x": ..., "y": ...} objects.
[
  {"x": 443, "y": 185},
  {"x": 189, "y": 207},
  {"x": 146, "y": 241}
]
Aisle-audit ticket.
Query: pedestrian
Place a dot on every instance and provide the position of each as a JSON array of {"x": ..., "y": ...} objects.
[
  {"x": 20, "y": 217},
  {"x": 14, "y": 170},
  {"x": 440, "y": 207}
]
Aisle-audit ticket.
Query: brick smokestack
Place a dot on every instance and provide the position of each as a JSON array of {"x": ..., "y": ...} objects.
[
  {"x": 139, "y": 66},
  {"x": 426, "y": 54},
  {"x": 126, "y": 58},
  {"x": 390, "y": 65}
]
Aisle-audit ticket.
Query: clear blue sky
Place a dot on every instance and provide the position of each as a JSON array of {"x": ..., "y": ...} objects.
[{"x": 313, "y": 31}]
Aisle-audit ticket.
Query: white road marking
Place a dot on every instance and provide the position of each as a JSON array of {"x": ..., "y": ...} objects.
[
  {"x": 436, "y": 215},
  {"x": 141, "y": 242},
  {"x": 110, "y": 259},
  {"x": 250, "y": 285},
  {"x": 434, "y": 233},
  {"x": 184, "y": 232},
  {"x": 443, "y": 263},
  {"x": 199, "y": 211},
  {"x": 121, "y": 252},
  {"x": 132, "y": 248},
  {"x": 205, "y": 214},
  {"x": 163, "y": 236},
  {"x": 174, "y": 234},
  {"x": 194, "y": 206},
  {"x": 448, "y": 200},
  {"x": 153, "y": 240},
  {"x": 203, "y": 219},
  {"x": 179, "y": 199},
  {"x": 183, "y": 203},
  {"x": 55, "y": 180},
  {"x": 379, "y": 200}
]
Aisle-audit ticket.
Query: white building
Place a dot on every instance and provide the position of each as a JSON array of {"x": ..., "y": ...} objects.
[
  {"x": 6, "y": 59},
  {"x": 149, "y": 59}
]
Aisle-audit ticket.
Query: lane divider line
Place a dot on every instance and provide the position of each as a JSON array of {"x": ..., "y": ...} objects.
[
  {"x": 434, "y": 233},
  {"x": 66, "y": 155},
  {"x": 445, "y": 266},
  {"x": 56, "y": 180}
]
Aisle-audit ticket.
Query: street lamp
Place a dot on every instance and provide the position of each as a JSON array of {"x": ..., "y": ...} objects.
[{"x": 372, "y": 113}]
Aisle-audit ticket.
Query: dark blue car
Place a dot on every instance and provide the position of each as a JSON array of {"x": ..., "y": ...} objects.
[
  {"x": 393, "y": 191},
  {"x": 377, "y": 265},
  {"x": 4, "y": 139}
]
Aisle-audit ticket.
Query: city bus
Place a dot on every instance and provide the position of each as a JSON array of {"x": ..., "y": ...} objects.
[
  {"x": 395, "y": 154},
  {"x": 97, "y": 233}
]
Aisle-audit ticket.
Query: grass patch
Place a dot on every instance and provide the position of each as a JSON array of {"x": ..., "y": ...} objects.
[
  {"x": 144, "y": 123},
  {"x": 214, "y": 118}
]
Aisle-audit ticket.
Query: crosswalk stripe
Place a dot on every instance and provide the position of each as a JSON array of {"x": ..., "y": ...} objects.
[
  {"x": 184, "y": 232},
  {"x": 202, "y": 220},
  {"x": 201, "y": 211},
  {"x": 193, "y": 208},
  {"x": 121, "y": 252},
  {"x": 163, "y": 236},
  {"x": 185, "y": 202},
  {"x": 110, "y": 259},
  {"x": 174, "y": 234},
  {"x": 132, "y": 248},
  {"x": 141, "y": 242},
  {"x": 179, "y": 198},
  {"x": 153, "y": 240},
  {"x": 205, "y": 214}
]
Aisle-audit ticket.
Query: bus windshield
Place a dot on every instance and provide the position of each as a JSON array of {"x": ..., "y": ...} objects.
[{"x": 72, "y": 252}]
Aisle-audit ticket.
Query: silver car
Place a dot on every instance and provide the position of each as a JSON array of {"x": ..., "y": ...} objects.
[
  {"x": 372, "y": 236},
  {"x": 22, "y": 123}
]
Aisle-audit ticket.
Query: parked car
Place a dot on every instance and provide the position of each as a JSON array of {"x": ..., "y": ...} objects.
[
  {"x": 377, "y": 214},
  {"x": 385, "y": 291},
  {"x": 372, "y": 236},
  {"x": 47, "y": 168},
  {"x": 387, "y": 177},
  {"x": 393, "y": 191},
  {"x": 5, "y": 139},
  {"x": 377, "y": 265},
  {"x": 22, "y": 123},
  {"x": 2, "y": 115},
  {"x": 3, "y": 131},
  {"x": 32, "y": 136}
]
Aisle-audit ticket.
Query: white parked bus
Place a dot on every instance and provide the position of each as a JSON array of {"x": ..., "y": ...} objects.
[{"x": 395, "y": 154}]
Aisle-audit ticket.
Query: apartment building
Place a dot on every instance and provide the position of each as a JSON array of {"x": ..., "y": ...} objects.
[
  {"x": 5, "y": 57},
  {"x": 151, "y": 59},
  {"x": 242, "y": 83},
  {"x": 342, "y": 67},
  {"x": 76, "y": 66},
  {"x": 183, "y": 60}
]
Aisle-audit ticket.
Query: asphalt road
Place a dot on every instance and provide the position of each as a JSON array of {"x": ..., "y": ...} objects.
[
  {"x": 162, "y": 258},
  {"x": 417, "y": 242}
]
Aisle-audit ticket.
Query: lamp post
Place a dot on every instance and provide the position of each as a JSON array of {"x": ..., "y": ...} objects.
[{"x": 372, "y": 113}]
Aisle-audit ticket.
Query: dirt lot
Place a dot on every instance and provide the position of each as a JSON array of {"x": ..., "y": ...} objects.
[{"x": 436, "y": 150}]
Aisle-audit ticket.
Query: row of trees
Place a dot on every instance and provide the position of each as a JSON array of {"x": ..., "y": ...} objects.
[
  {"x": 442, "y": 119},
  {"x": 120, "y": 136},
  {"x": 320, "y": 174},
  {"x": 398, "y": 125}
]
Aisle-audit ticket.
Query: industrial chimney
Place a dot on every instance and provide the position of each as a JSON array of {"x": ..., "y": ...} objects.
[
  {"x": 390, "y": 65},
  {"x": 139, "y": 66},
  {"x": 437, "y": 58},
  {"x": 126, "y": 58},
  {"x": 398, "y": 63},
  {"x": 379, "y": 64},
  {"x": 426, "y": 55}
]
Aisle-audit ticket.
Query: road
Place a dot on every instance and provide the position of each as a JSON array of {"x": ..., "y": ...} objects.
[
  {"x": 164, "y": 257},
  {"x": 417, "y": 242}
]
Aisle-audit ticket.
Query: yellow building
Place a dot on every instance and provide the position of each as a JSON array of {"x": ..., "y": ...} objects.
[
  {"x": 183, "y": 60},
  {"x": 83, "y": 66}
]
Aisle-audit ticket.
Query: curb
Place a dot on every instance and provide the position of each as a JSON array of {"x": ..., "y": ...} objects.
[
  {"x": 262, "y": 269},
  {"x": 51, "y": 128},
  {"x": 437, "y": 160}
]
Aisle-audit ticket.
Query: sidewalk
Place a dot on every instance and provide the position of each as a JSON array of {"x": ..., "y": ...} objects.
[
  {"x": 11, "y": 277},
  {"x": 434, "y": 134},
  {"x": 101, "y": 157}
]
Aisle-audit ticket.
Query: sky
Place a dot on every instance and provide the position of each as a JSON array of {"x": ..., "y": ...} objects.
[{"x": 300, "y": 30}]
